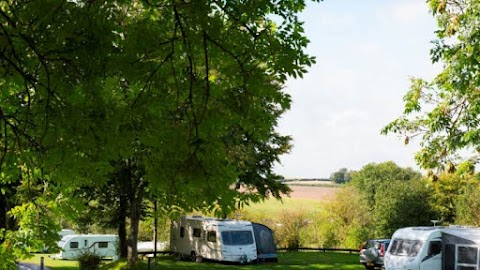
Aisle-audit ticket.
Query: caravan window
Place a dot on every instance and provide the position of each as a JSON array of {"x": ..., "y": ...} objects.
[
  {"x": 467, "y": 257},
  {"x": 197, "y": 232},
  {"x": 182, "y": 232},
  {"x": 73, "y": 244},
  {"x": 237, "y": 238},
  {"x": 402, "y": 247},
  {"x": 102, "y": 244},
  {"x": 212, "y": 236}
]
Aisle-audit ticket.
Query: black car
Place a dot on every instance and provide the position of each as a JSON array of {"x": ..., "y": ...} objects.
[{"x": 372, "y": 253}]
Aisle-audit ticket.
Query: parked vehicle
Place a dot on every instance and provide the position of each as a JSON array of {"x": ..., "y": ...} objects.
[
  {"x": 434, "y": 248},
  {"x": 372, "y": 253},
  {"x": 74, "y": 245},
  {"x": 65, "y": 232},
  {"x": 226, "y": 240}
]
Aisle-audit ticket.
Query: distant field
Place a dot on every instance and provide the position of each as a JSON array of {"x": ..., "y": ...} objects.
[
  {"x": 273, "y": 207},
  {"x": 318, "y": 193},
  {"x": 312, "y": 183}
]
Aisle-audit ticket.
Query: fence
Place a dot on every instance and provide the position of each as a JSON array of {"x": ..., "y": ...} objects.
[
  {"x": 300, "y": 249},
  {"x": 307, "y": 249}
]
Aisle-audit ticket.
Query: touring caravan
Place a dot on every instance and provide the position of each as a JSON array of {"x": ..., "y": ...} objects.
[
  {"x": 74, "y": 245},
  {"x": 226, "y": 240},
  {"x": 434, "y": 248}
]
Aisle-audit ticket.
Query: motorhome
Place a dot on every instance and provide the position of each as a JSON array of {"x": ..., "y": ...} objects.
[
  {"x": 434, "y": 248},
  {"x": 74, "y": 245},
  {"x": 226, "y": 240}
]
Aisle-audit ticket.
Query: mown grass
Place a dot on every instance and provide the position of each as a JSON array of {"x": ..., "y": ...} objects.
[
  {"x": 288, "y": 260},
  {"x": 51, "y": 263}
]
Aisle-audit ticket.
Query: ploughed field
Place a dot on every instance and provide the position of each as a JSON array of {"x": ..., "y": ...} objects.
[{"x": 313, "y": 192}]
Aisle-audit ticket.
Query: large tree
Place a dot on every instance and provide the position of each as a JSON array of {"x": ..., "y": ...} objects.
[
  {"x": 372, "y": 176},
  {"x": 445, "y": 112},
  {"x": 190, "y": 90}
]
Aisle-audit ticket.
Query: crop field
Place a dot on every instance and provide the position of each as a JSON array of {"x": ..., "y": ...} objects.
[
  {"x": 293, "y": 260},
  {"x": 318, "y": 193}
]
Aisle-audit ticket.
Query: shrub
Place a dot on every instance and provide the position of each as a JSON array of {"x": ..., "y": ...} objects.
[
  {"x": 288, "y": 233},
  {"x": 89, "y": 261}
]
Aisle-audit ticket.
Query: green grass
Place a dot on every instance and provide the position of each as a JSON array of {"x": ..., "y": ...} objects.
[
  {"x": 292, "y": 261},
  {"x": 53, "y": 264}
]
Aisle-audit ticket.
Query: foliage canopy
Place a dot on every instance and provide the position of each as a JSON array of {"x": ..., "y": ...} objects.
[{"x": 190, "y": 90}]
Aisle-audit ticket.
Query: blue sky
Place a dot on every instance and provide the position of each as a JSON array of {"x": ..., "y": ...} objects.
[{"x": 366, "y": 52}]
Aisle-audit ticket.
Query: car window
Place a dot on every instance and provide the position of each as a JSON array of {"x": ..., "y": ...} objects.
[{"x": 435, "y": 248}]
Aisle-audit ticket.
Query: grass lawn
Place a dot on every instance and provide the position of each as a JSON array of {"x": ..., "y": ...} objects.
[
  {"x": 293, "y": 261},
  {"x": 53, "y": 264}
]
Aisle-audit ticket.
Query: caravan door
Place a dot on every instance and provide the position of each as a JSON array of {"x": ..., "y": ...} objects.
[
  {"x": 433, "y": 260},
  {"x": 212, "y": 249}
]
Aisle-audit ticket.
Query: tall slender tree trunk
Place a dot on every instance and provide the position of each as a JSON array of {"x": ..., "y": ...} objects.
[
  {"x": 136, "y": 198},
  {"x": 3, "y": 214},
  {"x": 122, "y": 227}
]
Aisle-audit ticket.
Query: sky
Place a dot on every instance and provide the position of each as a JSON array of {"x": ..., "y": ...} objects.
[{"x": 366, "y": 53}]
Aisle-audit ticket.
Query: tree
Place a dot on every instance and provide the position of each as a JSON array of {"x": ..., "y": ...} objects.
[
  {"x": 448, "y": 188},
  {"x": 468, "y": 205},
  {"x": 444, "y": 112},
  {"x": 392, "y": 195},
  {"x": 342, "y": 176},
  {"x": 347, "y": 219},
  {"x": 190, "y": 90},
  {"x": 402, "y": 204},
  {"x": 372, "y": 176}
]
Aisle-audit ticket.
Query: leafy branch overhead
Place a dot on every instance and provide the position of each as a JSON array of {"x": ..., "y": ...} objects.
[
  {"x": 444, "y": 112},
  {"x": 191, "y": 91}
]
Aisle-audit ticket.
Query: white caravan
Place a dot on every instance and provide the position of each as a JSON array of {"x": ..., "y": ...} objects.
[
  {"x": 65, "y": 232},
  {"x": 74, "y": 245},
  {"x": 214, "y": 239},
  {"x": 434, "y": 248}
]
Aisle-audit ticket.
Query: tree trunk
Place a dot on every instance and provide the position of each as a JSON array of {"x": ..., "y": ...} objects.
[
  {"x": 122, "y": 227},
  {"x": 136, "y": 197},
  {"x": 3, "y": 214}
]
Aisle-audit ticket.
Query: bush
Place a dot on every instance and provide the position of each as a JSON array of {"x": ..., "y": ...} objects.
[
  {"x": 288, "y": 234},
  {"x": 89, "y": 261}
]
